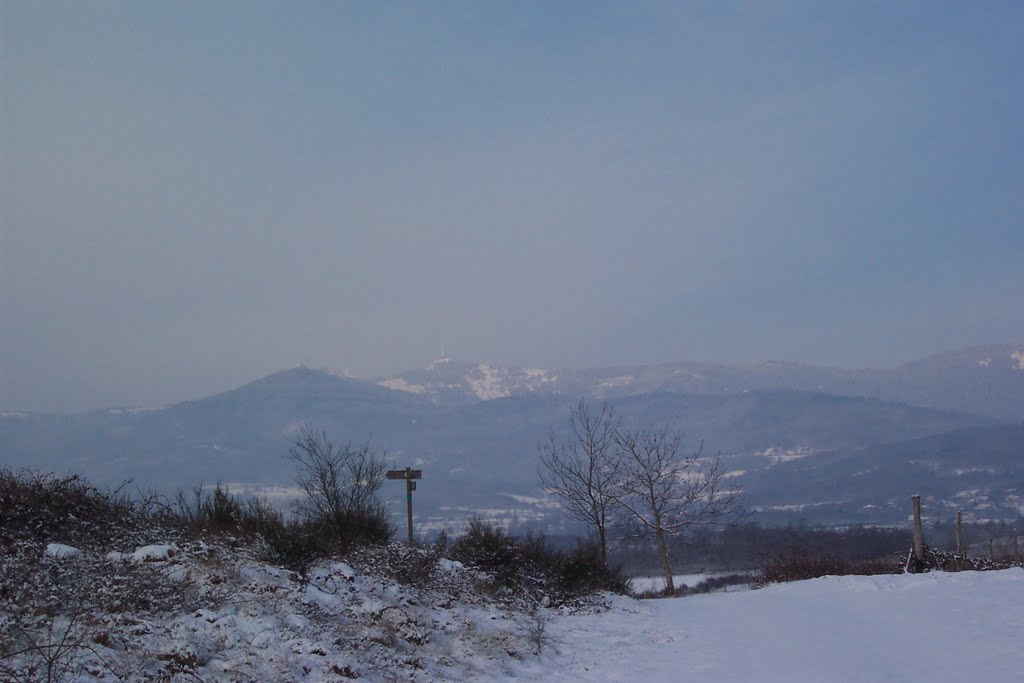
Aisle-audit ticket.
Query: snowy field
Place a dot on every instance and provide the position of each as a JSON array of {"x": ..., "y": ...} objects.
[{"x": 932, "y": 627}]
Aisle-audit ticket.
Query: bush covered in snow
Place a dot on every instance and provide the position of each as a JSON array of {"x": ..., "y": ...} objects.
[{"x": 94, "y": 586}]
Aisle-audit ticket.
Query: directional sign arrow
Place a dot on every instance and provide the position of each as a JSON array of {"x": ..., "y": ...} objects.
[{"x": 401, "y": 474}]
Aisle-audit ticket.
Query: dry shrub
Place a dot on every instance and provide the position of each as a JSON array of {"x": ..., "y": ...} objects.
[
  {"x": 530, "y": 564},
  {"x": 799, "y": 565},
  {"x": 416, "y": 566},
  {"x": 41, "y": 508}
]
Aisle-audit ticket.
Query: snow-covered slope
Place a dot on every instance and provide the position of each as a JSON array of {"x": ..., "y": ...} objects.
[
  {"x": 928, "y": 627},
  {"x": 448, "y": 380},
  {"x": 188, "y": 610},
  {"x": 193, "y": 611}
]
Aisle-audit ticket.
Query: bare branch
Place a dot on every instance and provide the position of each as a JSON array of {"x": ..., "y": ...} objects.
[
  {"x": 583, "y": 469},
  {"x": 664, "y": 493},
  {"x": 340, "y": 483}
]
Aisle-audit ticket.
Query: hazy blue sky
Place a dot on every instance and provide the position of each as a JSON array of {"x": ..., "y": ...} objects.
[{"x": 197, "y": 194}]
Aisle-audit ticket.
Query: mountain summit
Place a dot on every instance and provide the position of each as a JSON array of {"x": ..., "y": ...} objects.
[{"x": 448, "y": 380}]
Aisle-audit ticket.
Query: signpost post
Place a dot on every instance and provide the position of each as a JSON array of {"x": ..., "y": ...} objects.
[{"x": 410, "y": 475}]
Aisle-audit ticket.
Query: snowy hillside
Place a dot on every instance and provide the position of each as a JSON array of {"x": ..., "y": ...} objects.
[
  {"x": 95, "y": 586},
  {"x": 928, "y": 627},
  {"x": 98, "y": 587},
  {"x": 203, "y": 612},
  {"x": 235, "y": 619}
]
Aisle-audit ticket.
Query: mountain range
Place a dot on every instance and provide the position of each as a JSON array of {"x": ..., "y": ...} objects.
[
  {"x": 984, "y": 380},
  {"x": 822, "y": 444}
]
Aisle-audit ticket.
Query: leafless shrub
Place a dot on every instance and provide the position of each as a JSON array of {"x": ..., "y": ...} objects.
[
  {"x": 583, "y": 469},
  {"x": 341, "y": 485},
  {"x": 40, "y": 508},
  {"x": 52, "y": 648},
  {"x": 213, "y": 511},
  {"x": 948, "y": 561},
  {"x": 665, "y": 493},
  {"x": 800, "y": 565},
  {"x": 529, "y": 567},
  {"x": 411, "y": 566},
  {"x": 538, "y": 633}
]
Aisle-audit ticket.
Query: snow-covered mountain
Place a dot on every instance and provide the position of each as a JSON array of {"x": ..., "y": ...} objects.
[
  {"x": 448, "y": 380},
  {"x": 984, "y": 380}
]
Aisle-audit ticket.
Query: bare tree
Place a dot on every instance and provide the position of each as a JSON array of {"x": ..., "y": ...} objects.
[
  {"x": 340, "y": 483},
  {"x": 582, "y": 469},
  {"x": 665, "y": 493}
]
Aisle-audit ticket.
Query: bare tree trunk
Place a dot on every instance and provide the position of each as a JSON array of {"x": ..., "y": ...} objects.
[
  {"x": 604, "y": 546},
  {"x": 670, "y": 587}
]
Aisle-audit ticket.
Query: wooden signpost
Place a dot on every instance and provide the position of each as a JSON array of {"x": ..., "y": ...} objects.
[{"x": 410, "y": 475}]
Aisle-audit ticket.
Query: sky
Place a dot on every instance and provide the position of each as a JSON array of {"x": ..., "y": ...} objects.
[{"x": 196, "y": 194}]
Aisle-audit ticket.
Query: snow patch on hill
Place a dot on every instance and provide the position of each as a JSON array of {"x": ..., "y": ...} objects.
[
  {"x": 487, "y": 385},
  {"x": 399, "y": 384},
  {"x": 785, "y": 455},
  {"x": 614, "y": 382}
]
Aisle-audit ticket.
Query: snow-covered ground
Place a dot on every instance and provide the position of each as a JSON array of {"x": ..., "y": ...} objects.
[
  {"x": 931, "y": 627},
  {"x": 195, "y": 611},
  {"x": 191, "y": 611}
]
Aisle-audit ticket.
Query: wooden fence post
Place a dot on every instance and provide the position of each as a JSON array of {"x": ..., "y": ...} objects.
[
  {"x": 959, "y": 534},
  {"x": 959, "y": 541},
  {"x": 918, "y": 535}
]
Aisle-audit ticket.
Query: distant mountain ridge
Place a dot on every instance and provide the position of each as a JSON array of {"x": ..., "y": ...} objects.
[
  {"x": 786, "y": 432},
  {"x": 985, "y": 380},
  {"x": 976, "y": 469}
]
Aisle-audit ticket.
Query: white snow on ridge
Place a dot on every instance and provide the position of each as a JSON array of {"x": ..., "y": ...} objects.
[
  {"x": 137, "y": 410},
  {"x": 797, "y": 507},
  {"x": 434, "y": 364},
  {"x": 399, "y": 384},
  {"x": 539, "y": 375},
  {"x": 973, "y": 470},
  {"x": 488, "y": 385},
  {"x": 533, "y": 500},
  {"x": 1019, "y": 357},
  {"x": 483, "y": 381},
  {"x": 619, "y": 381},
  {"x": 781, "y": 455}
]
